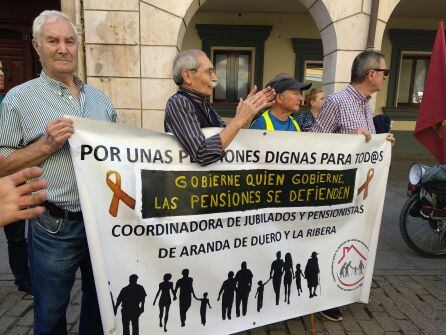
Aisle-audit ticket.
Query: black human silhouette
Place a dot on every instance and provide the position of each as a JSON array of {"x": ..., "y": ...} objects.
[
  {"x": 276, "y": 273},
  {"x": 186, "y": 291},
  {"x": 132, "y": 298},
  {"x": 203, "y": 306},
  {"x": 312, "y": 274},
  {"x": 343, "y": 271},
  {"x": 361, "y": 267},
  {"x": 243, "y": 279},
  {"x": 298, "y": 274},
  {"x": 228, "y": 290},
  {"x": 259, "y": 294},
  {"x": 165, "y": 287},
  {"x": 288, "y": 276},
  {"x": 347, "y": 266}
]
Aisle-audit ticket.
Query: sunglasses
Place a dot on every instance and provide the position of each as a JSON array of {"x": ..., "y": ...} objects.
[
  {"x": 4, "y": 69},
  {"x": 386, "y": 71}
]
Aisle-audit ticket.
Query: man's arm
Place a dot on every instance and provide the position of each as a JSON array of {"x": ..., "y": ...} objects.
[
  {"x": 57, "y": 133},
  {"x": 184, "y": 125},
  {"x": 16, "y": 201}
]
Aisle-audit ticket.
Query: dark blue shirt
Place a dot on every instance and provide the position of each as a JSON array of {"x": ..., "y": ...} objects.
[{"x": 305, "y": 120}]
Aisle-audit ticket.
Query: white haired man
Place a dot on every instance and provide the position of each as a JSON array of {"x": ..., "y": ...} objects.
[
  {"x": 189, "y": 110},
  {"x": 34, "y": 132}
]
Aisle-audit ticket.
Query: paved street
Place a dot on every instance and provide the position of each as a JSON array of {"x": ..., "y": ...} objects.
[{"x": 408, "y": 292}]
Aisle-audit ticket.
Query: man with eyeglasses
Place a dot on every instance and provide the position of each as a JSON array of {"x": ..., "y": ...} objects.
[
  {"x": 348, "y": 111},
  {"x": 188, "y": 110}
]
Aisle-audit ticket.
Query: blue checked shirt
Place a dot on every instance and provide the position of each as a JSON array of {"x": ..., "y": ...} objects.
[
  {"x": 344, "y": 112},
  {"x": 25, "y": 112}
]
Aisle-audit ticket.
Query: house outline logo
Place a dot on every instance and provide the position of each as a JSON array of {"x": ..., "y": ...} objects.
[{"x": 348, "y": 264}]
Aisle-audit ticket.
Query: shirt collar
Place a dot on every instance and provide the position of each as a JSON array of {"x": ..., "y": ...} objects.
[
  {"x": 355, "y": 93},
  {"x": 57, "y": 85},
  {"x": 197, "y": 96}
]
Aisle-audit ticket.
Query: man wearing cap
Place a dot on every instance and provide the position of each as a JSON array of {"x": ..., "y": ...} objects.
[{"x": 287, "y": 101}]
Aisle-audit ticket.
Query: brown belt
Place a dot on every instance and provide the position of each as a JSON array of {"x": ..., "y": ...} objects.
[{"x": 60, "y": 213}]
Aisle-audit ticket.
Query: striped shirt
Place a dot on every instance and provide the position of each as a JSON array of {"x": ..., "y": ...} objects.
[
  {"x": 182, "y": 121},
  {"x": 25, "y": 112},
  {"x": 344, "y": 112}
]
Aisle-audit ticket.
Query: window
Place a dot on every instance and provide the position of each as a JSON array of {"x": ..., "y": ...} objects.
[
  {"x": 412, "y": 77},
  {"x": 237, "y": 53},
  {"x": 313, "y": 73},
  {"x": 411, "y": 51},
  {"x": 309, "y": 62},
  {"x": 234, "y": 74}
]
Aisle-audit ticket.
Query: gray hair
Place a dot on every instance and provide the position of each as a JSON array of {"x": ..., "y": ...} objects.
[
  {"x": 50, "y": 16},
  {"x": 363, "y": 63},
  {"x": 185, "y": 60}
]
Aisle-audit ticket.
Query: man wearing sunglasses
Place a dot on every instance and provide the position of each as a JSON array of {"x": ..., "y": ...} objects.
[
  {"x": 348, "y": 111},
  {"x": 188, "y": 110}
]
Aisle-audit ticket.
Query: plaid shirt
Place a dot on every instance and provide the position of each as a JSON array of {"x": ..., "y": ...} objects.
[{"x": 344, "y": 112}]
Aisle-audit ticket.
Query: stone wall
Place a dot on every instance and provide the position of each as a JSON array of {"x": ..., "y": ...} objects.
[{"x": 130, "y": 45}]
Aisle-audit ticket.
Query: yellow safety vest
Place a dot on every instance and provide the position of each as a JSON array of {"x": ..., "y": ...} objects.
[{"x": 269, "y": 122}]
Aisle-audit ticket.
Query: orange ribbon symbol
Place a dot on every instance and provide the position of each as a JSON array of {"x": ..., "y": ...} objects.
[
  {"x": 118, "y": 193},
  {"x": 365, "y": 187}
]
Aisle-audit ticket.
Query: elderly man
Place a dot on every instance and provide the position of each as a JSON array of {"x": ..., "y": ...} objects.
[
  {"x": 34, "y": 132},
  {"x": 348, "y": 111},
  {"x": 188, "y": 110},
  {"x": 287, "y": 101}
]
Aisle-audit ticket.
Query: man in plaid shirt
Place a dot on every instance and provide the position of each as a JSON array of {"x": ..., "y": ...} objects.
[{"x": 348, "y": 111}]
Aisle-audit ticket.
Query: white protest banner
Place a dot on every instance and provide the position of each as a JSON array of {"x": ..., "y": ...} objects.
[{"x": 286, "y": 224}]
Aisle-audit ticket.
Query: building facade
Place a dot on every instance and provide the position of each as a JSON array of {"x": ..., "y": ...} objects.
[{"x": 127, "y": 48}]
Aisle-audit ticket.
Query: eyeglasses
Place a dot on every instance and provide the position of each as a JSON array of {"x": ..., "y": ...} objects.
[
  {"x": 209, "y": 71},
  {"x": 386, "y": 71},
  {"x": 4, "y": 69}
]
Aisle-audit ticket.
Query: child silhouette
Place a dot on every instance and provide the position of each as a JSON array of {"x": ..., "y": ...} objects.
[
  {"x": 298, "y": 275},
  {"x": 259, "y": 294},
  {"x": 203, "y": 306}
]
